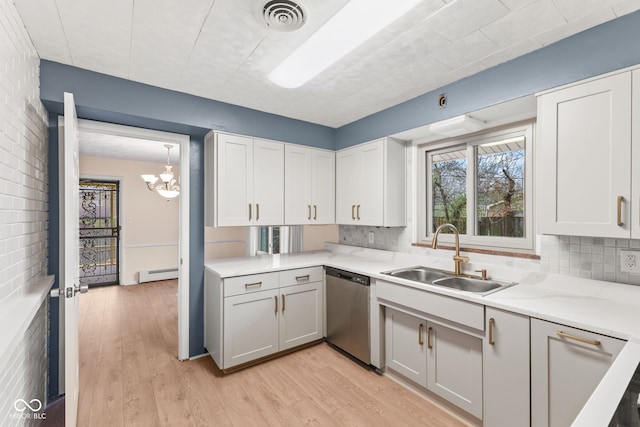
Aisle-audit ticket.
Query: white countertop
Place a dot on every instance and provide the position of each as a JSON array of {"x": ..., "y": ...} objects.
[{"x": 608, "y": 308}]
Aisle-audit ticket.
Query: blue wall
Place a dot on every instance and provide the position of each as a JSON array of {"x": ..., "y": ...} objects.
[
  {"x": 101, "y": 97},
  {"x": 601, "y": 49}
]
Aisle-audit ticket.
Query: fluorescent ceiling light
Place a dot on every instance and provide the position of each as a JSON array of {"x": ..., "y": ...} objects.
[
  {"x": 354, "y": 24},
  {"x": 457, "y": 126}
]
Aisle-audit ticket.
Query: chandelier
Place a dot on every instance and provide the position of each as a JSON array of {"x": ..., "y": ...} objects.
[{"x": 167, "y": 186}]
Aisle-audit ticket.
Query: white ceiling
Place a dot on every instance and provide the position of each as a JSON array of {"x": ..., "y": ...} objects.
[
  {"x": 96, "y": 144},
  {"x": 217, "y": 49}
]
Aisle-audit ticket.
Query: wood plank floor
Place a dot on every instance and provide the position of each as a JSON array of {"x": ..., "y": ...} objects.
[{"x": 130, "y": 375}]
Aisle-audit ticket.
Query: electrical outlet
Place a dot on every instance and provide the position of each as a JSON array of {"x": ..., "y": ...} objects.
[
  {"x": 630, "y": 261},
  {"x": 372, "y": 237}
]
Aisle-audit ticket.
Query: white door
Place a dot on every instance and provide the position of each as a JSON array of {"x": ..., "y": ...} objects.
[
  {"x": 268, "y": 182},
  {"x": 297, "y": 181},
  {"x": 69, "y": 260},
  {"x": 323, "y": 188},
  {"x": 405, "y": 345},
  {"x": 235, "y": 180},
  {"x": 369, "y": 209},
  {"x": 347, "y": 185},
  {"x": 301, "y": 314}
]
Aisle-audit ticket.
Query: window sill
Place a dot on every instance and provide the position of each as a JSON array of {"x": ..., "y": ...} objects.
[{"x": 482, "y": 251}]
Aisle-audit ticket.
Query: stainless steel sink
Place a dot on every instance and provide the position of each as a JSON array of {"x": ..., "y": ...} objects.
[
  {"x": 468, "y": 284},
  {"x": 432, "y": 276},
  {"x": 419, "y": 274}
]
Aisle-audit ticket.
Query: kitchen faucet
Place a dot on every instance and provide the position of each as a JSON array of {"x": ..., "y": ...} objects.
[{"x": 456, "y": 258}]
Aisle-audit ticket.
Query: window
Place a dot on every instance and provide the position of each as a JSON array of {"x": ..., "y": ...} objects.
[
  {"x": 482, "y": 185},
  {"x": 276, "y": 240}
]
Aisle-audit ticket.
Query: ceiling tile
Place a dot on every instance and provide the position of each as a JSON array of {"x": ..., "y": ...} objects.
[
  {"x": 463, "y": 17},
  {"x": 45, "y": 29},
  {"x": 525, "y": 23},
  {"x": 623, "y": 7},
  {"x": 574, "y": 27},
  {"x": 516, "y": 4},
  {"x": 575, "y": 9},
  {"x": 465, "y": 51}
]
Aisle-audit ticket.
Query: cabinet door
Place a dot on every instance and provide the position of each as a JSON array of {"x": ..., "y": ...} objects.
[
  {"x": 323, "y": 188},
  {"x": 268, "y": 182},
  {"x": 405, "y": 345},
  {"x": 348, "y": 175},
  {"x": 565, "y": 371},
  {"x": 234, "y": 179},
  {"x": 506, "y": 374},
  {"x": 635, "y": 168},
  {"x": 298, "y": 186},
  {"x": 250, "y": 326},
  {"x": 301, "y": 314},
  {"x": 584, "y": 146},
  {"x": 454, "y": 367},
  {"x": 369, "y": 208}
]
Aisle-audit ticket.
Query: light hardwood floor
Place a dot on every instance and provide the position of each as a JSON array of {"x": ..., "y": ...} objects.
[{"x": 129, "y": 375}]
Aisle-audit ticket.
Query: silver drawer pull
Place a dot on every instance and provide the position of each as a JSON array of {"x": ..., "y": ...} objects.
[
  {"x": 300, "y": 278},
  {"x": 248, "y": 285}
]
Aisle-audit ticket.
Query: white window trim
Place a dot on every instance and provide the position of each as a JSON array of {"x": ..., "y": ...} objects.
[
  {"x": 254, "y": 239},
  {"x": 508, "y": 244}
]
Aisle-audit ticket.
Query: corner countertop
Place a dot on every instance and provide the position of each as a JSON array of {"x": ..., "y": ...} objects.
[{"x": 607, "y": 308}]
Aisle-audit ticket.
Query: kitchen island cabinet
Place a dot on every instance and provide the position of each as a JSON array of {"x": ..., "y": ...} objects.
[{"x": 566, "y": 366}]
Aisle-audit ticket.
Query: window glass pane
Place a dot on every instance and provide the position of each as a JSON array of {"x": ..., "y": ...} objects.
[
  {"x": 500, "y": 188},
  {"x": 276, "y": 240},
  {"x": 263, "y": 245},
  {"x": 449, "y": 185}
]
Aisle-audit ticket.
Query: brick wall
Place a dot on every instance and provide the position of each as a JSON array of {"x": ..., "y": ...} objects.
[{"x": 23, "y": 209}]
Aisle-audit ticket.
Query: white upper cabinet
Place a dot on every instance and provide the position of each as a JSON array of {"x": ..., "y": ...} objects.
[
  {"x": 584, "y": 161},
  {"x": 635, "y": 171},
  {"x": 309, "y": 185},
  {"x": 247, "y": 177},
  {"x": 371, "y": 184}
]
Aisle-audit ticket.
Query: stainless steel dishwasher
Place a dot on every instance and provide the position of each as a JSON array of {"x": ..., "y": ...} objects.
[{"x": 348, "y": 313}]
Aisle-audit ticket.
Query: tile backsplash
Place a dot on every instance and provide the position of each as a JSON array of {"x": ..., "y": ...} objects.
[{"x": 585, "y": 257}]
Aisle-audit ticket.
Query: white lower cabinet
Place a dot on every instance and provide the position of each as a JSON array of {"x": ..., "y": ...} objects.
[
  {"x": 506, "y": 370},
  {"x": 405, "y": 345},
  {"x": 566, "y": 366},
  {"x": 250, "y": 327},
  {"x": 300, "y": 315},
  {"x": 454, "y": 367},
  {"x": 254, "y": 316},
  {"x": 444, "y": 360}
]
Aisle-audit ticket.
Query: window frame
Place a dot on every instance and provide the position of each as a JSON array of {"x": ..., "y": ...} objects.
[{"x": 524, "y": 244}]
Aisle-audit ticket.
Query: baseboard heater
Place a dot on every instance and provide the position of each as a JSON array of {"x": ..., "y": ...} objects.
[{"x": 153, "y": 275}]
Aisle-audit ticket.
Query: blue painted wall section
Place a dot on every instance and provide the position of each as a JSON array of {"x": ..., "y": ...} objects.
[{"x": 601, "y": 49}]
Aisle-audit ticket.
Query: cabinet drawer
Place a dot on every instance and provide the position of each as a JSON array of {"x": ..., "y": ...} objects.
[
  {"x": 300, "y": 276},
  {"x": 253, "y": 283},
  {"x": 462, "y": 312}
]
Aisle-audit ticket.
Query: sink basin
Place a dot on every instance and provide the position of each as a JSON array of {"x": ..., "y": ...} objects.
[
  {"x": 419, "y": 274},
  {"x": 432, "y": 276},
  {"x": 468, "y": 284}
]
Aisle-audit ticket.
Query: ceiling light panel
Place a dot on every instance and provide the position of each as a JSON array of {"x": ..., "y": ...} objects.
[{"x": 355, "y": 23}]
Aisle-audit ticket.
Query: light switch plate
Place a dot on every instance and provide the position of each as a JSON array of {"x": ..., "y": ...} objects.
[
  {"x": 372, "y": 237},
  {"x": 630, "y": 261}
]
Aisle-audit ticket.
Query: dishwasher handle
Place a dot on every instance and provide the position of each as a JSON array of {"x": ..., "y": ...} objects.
[{"x": 349, "y": 276}]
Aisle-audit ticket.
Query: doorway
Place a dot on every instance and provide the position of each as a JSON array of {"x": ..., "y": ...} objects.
[{"x": 99, "y": 233}]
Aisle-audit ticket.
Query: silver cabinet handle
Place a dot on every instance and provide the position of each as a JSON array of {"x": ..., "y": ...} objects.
[{"x": 300, "y": 278}]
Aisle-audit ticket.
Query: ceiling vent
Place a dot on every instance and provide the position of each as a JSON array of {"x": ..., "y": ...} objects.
[{"x": 282, "y": 15}]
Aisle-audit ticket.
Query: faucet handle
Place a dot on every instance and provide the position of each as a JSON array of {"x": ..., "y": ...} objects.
[
  {"x": 483, "y": 272},
  {"x": 461, "y": 258}
]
